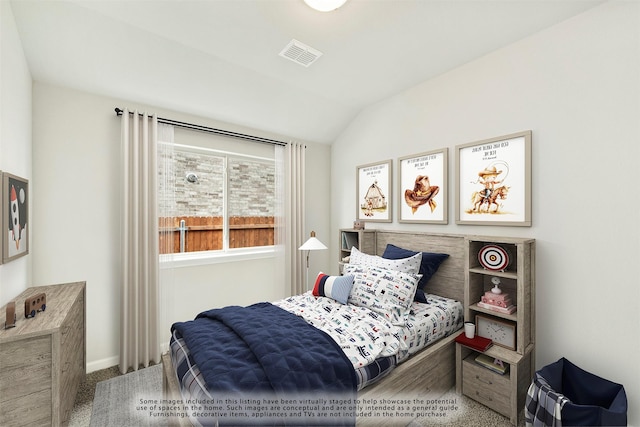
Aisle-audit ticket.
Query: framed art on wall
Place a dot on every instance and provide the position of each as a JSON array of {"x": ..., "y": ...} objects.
[
  {"x": 494, "y": 181},
  {"x": 15, "y": 215},
  {"x": 373, "y": 192},
  {"x": 422, "y": 185}
]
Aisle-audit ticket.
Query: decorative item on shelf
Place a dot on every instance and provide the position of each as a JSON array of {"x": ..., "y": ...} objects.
[
  {"x": 496, "y": 285},
  {"x": 469, "y": 330},
  {"x": 35, "y": 304},
  {"x": 312, "y": 244},
  {"x": 476, "y": 343},
  {"x": 358, "y": 225},
  {"x": 502, "y": 333},
  {"x": 494, "y": 258},
  {"x": 491, "y": 363},
  {"x": 10, "y": 321},
  {"x": 496, "y": 300}
]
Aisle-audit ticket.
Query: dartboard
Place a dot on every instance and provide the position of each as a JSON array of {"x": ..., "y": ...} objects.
[{"x": 493, "y": 257}]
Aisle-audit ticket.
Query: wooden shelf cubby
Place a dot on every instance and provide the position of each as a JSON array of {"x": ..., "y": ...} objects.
[{"x": 505, "y": 393}]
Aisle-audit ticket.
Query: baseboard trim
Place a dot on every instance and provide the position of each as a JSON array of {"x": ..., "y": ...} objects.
[
  {"x": 115, "y": 360},
  {"x": 103, "y": 364}
]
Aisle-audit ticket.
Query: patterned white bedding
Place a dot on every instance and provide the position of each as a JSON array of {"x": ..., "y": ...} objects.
[
  {"x": 365, "y": 335},
  {"x": 427, "y": 323}
]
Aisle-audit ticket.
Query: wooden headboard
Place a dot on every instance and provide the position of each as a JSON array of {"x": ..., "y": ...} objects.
[{"x": 449, "y": 279}]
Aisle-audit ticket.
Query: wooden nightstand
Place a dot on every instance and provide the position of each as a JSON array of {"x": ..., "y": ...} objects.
[{"x": 504, "y": 393}]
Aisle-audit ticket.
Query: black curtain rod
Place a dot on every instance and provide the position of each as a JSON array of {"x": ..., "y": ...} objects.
[{"x": 201, "y": 128}]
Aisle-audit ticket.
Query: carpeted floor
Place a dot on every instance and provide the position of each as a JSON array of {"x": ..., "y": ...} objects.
[
  {"x": 468, "y": 412},
  {"x": 81, "y": 414},
  {"x": 121, "y": 401}
]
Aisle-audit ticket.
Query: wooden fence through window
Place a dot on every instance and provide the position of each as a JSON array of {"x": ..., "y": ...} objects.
[{"x": 205, "y": 233}]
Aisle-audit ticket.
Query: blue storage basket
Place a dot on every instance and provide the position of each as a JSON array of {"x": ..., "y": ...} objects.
[{"x": 594, "y": 401}]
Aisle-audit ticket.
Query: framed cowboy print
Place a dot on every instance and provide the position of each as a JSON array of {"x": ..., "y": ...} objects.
[
  {"x": 373, "y": 191},
  {"x": 494, "y": 181},
  {"x": 422, "y": 185}
]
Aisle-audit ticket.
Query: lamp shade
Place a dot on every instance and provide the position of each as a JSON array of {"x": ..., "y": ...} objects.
[
  {"x": 325, "y": 5},
  {"x": 313, "y": 244}
]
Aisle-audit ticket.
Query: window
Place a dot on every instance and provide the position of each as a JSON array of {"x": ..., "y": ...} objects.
[{"x": 213, "y": 200}]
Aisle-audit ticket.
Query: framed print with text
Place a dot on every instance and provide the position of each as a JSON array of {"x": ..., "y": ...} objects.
[
  {"x": 422, "y": 195},
  {"x": 15, "y": 215},
  {"x": 494, "y": 181},
  {"x": 373, "y": 192}
]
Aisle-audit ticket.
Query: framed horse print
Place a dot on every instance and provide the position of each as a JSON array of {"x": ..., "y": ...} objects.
[{"x": 494, "y": 181}]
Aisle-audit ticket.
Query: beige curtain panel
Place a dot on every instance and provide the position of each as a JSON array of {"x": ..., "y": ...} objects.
[
  {"x": 290, "y": 232},
  {"x": 139, "y": 340}
]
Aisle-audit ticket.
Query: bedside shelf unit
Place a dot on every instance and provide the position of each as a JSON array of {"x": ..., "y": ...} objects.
[
  {"x": 364, "y": 240},
  {"x": 43, "y": 359},
  {"x": 503, "y": 393}
]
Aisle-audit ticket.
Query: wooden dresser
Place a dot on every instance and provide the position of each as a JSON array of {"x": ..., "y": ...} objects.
[{"x": 43, "y": 359}]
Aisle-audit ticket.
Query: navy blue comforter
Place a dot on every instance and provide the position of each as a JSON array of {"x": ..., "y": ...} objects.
[{"x": 263, "y": 349}]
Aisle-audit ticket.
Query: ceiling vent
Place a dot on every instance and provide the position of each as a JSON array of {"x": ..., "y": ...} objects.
[{"x": 300, "y": 53}]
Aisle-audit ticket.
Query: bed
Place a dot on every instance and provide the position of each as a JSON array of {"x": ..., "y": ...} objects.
[{"x": 392, "y": 367}]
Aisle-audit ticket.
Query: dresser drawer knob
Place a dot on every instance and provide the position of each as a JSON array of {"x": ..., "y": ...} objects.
[
  {"x": 485, "y": 397},
  {"x": 483, "y": 380}
]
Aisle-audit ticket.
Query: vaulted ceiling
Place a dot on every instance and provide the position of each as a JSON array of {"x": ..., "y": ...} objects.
[{"x": 220, "y": 59}]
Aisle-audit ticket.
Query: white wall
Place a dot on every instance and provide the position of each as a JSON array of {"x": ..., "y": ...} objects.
[
  {"x": 577, "y": 87},
  {"x": 76, "y": 155},
  {"x": 15, "y": 136}
]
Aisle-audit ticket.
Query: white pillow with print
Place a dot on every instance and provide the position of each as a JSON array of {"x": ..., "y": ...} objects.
[
  {"x": 386, "y": 292},
  {"x": 410, "y": 265}
]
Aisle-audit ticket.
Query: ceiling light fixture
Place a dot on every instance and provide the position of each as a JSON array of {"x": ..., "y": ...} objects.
[{"x": 325, "y": 5}]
